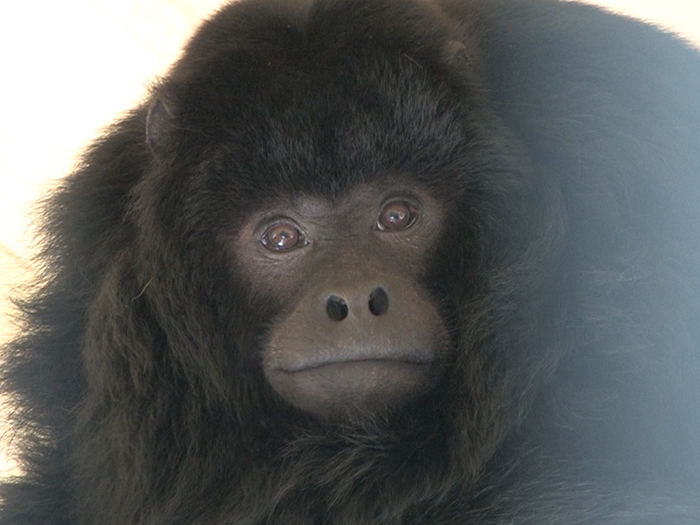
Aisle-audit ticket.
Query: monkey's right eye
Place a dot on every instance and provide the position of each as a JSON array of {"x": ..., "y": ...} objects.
[{"x": 283, "y": 236}]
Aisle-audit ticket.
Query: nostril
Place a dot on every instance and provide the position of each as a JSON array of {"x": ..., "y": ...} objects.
[
  {"x": 336, "y": 308},
  {"x": 378, "y": 301}
]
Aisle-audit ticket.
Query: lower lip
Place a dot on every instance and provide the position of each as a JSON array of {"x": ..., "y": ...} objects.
[{"x": 352, "y": 377}]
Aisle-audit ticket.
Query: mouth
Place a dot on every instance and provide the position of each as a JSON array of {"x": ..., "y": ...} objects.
[
  {"x": 359, "y": 375},
  {"x": 361, "y": 357}
]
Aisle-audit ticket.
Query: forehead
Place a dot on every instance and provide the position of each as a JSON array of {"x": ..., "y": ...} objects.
[
  {"x": 317, "y": 99},
  {"x": 354, "y": 202}
]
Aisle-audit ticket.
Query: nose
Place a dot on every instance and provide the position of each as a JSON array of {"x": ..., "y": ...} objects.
[{"x": 377, "y": 303}]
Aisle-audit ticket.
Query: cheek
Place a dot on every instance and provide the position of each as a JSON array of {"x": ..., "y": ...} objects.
[{"x": 268, "y": 276}]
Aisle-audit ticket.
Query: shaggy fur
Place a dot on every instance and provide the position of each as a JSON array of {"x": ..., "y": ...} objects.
[{"x": 564, "y": 143}]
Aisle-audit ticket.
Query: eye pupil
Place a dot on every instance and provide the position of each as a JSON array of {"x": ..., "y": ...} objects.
[{"x": 396, "y": 216}]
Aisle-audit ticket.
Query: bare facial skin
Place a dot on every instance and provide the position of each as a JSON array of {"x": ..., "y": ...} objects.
[{"x": 359, "y": 333}]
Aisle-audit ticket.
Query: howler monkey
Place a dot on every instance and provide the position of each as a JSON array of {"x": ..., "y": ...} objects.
[{"x": 391, "y": 262}]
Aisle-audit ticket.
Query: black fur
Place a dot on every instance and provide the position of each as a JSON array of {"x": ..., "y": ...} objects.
[{"x": 564, "y": 143}]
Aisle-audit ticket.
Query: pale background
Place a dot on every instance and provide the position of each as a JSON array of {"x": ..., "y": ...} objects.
[{"x": 69, "y": 67}]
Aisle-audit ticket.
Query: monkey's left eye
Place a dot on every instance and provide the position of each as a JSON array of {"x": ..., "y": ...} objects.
[
  {"x": 283, "y": 236},
  {"x": 396, "y": 216}
]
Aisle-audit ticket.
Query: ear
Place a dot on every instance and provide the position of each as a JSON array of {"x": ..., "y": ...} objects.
[
  {"x": 159, "y": 123},
  {"x": 456, "y": 52}
]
